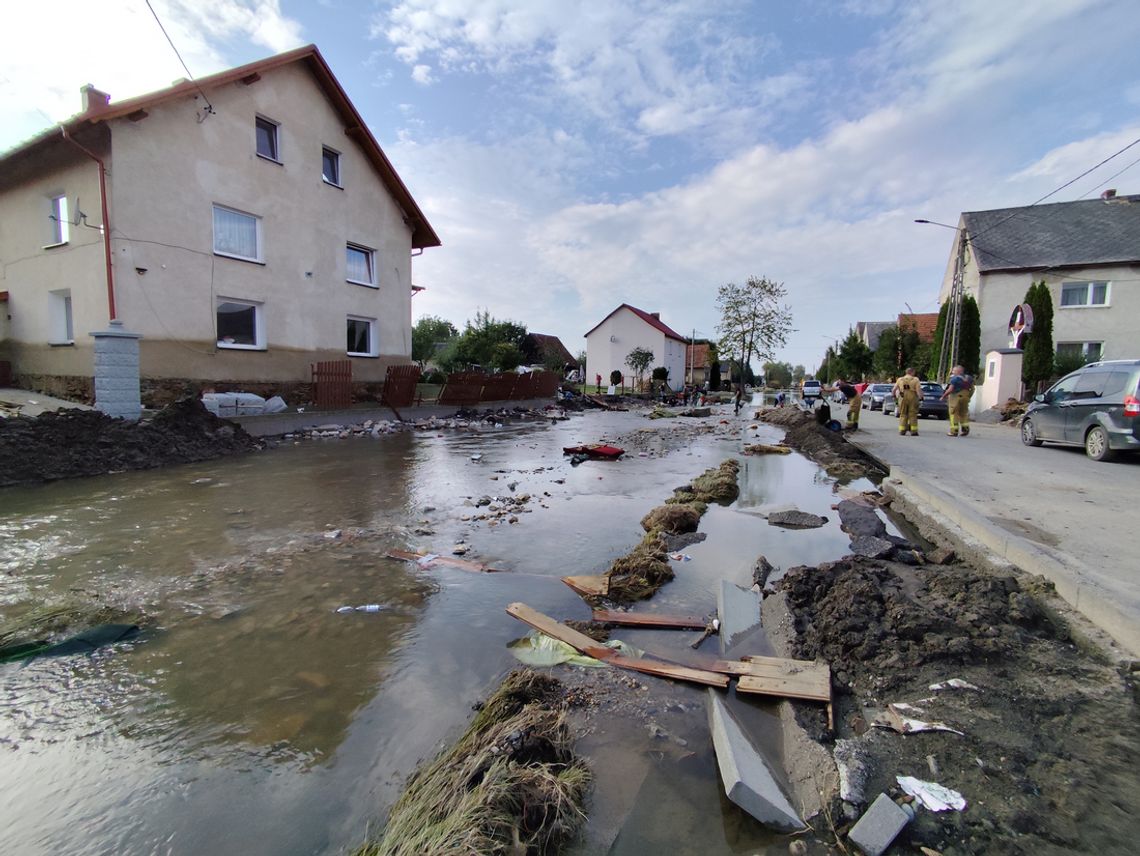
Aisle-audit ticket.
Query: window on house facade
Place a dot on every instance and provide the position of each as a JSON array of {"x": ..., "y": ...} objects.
[
  {"x": 267, "y": 139},
  {"x": 60, "y": 230},
  {"x": 240, "y": 324},
  {"x": 62, "y": 328},
  {"x": 330, "y": 166},
  {"x": 361, "y": 337},
  {"x": 1087, "y": 351},
  {"x": 1084, "y": 294},
  {"x": 236, "y": 234},
  {"x": 359, "y": 265}
]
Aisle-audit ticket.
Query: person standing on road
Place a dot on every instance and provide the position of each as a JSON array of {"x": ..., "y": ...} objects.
[
  {"x": 854, "y": 401},
  {"x": 959, "y": 389},
  {"x": 739, "y": 402},
  {"x": 907, "y": 391}
]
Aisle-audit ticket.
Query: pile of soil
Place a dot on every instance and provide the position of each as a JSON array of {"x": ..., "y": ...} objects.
[
  {"x": 828, "y": 448},
  {"x": 1049, "y": 758},
  {"x": 74, "y": 443}
]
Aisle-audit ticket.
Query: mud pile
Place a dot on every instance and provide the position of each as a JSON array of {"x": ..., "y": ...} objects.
[
  {"x": 1048, "y": 757},
  {"x": 828, "y": 448},
  {"x": 74, "y": 443}
]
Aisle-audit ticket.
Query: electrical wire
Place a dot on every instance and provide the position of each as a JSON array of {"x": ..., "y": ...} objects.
[
  {"x": 209, "y": 106},
  {"x": 1110, "y": 178}
]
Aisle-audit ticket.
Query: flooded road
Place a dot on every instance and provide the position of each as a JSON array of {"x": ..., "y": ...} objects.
[{"x": 251, "y": 717}]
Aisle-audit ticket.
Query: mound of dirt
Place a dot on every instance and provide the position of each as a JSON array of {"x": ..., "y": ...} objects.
[
  {"x": 828, "y": 448},
  {"x": 74, "y": 443},
  {"x": 1049, "y": 755},
  {"x": 677, "y": 518}
]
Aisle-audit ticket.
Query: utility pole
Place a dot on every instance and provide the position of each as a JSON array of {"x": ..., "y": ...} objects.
[{"x": 948, "y": 355}]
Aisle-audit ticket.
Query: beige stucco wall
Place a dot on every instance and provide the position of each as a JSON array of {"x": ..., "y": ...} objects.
[
  {"x": 170, "y": 169},
  {"x": 628, "y": 331},
  {"x": 30, "y": 269}
]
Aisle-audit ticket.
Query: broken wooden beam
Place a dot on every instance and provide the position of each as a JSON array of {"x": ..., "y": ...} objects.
[
  {"x": 650, "y": 619},
  {"x": 802, "y": 679},
  {"x": 589, "y": 586},
  {"x": 584, "y": 644}
]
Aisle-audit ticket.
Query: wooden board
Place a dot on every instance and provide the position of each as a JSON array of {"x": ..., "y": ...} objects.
[
  {"x": 648, "y": 619},
  {"x": 453, "y": 561},
  {"x": 590, "y": 586},
  {"x": 591, "y": 648},
  {"x": 775, "y": 676}
]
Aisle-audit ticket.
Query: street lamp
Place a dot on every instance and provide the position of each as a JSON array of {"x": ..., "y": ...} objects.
[
  {"x": 834, "y": 347},
  {"x": 951, "y": 333}
]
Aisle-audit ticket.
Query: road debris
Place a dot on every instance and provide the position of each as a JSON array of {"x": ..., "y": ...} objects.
[
  {"x": 933, "y": 796},
  {"x": 880, "y": 825}
]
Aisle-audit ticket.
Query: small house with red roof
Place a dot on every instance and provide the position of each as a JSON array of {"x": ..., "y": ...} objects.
[{"x": 626, "y": 328}]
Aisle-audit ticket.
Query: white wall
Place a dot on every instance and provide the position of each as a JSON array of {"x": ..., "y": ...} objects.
[{"x": 609, "y": 344}]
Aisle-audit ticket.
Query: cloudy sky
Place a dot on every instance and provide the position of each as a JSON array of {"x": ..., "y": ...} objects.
[{"x": 577, "y": 155}]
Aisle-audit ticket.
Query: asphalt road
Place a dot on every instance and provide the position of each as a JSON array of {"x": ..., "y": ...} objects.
[{"x": 1082, "y": 514}]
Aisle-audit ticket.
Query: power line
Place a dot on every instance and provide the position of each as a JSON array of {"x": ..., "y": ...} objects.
[
  {"x": 209, "y": 106},
  {"x": 1110, "y": 178}
]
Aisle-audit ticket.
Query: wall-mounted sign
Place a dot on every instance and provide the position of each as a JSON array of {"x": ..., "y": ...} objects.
[{"x": 1020, "y": 323}]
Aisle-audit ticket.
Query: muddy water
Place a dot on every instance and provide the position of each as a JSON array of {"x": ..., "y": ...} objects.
[{"x": 251, "y": 717}]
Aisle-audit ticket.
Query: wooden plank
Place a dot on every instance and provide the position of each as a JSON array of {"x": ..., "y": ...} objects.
[
  {"x": 648, "y": 619},
  {"x": 590, "y": 586},
  {"x": 454, "y": 561},
  {"x": 590, "y": 647},
  {"x": 792, "y": 687}
]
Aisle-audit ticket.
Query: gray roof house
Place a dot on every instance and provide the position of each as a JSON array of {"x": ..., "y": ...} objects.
[{"x": 1087, "y": 251}]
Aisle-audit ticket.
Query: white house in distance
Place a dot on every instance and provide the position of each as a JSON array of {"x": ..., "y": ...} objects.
[
  {"x": 627, "y": 327},
  {"x": 253, "y": 226},
  {"x": 1088, "y": 253}
]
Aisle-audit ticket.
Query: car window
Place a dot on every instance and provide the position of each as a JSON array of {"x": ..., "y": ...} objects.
[
  {"x": 1062, "y": 390},
  {"x": 1116, "y": 384},
  {"x": 1090, "y": 384}
]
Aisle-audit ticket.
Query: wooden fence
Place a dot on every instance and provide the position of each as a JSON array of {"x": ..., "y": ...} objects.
[
  {"x": 400, "y": 386},
  {"x": 332, "y": 385},
  {"x": 468, "y": 388}
]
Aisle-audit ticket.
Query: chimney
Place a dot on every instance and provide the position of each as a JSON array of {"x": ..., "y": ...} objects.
[
  {"x": 1108, "y": 194},
  {"x": 656, "y": 315},
  {"x": 94, "y": 100}
]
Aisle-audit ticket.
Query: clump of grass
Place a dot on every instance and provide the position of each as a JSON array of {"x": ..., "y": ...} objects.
[{"x": 510, "y": 785}]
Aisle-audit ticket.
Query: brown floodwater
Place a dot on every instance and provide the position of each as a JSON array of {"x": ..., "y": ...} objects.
[{"x": 250, "y": 716}]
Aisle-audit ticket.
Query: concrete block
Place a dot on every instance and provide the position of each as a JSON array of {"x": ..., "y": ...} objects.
[
  {"x": 739, "y": 612},
  {"x": 879, "y": 826},
  {"x": 747, "y": 777}
]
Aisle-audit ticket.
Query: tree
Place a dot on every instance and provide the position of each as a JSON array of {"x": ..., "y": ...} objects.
[
  {"x": 639, "y": 360},
  {"x": 506, "y": 356},
  {"x": 855, "y": 357},
  {"x": 1037, "y": 364},
  {"x": 777, "y": 375},
  {"x": 798, "y": 373},
  {"x": 754, "y": 321},
  {"x": 714, "y": 369},
  {"x": 970, "y": 336},
  {"x": 477, "y": 344},
  {"x": 428, "y": 334}
]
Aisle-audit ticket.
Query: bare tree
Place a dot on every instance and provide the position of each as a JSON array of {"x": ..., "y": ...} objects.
[{"x": 754, "y": 320}]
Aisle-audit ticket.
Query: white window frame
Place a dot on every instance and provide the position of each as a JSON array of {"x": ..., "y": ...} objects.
[
  {"x": 258, "y": 324},
  {"x": 61, "y": 318},
  {"x": 276, "y": 126},
  {"x": 370, "y": 255},
  {"x": 373, "y": 339},
  {"x": 1084, "y": 346},
  {"x": 326, "y": 150},
  {"x": 1090, "y": 286},
  {"x": 260, "y": 257},
  {"x": 60, "y": 222}
]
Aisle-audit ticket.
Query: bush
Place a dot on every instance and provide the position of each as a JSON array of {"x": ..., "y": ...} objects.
[
  {"x": 615, "y": 378},
  {"x": 433, "y": 376},
  {"x": 661, "y": 373}
]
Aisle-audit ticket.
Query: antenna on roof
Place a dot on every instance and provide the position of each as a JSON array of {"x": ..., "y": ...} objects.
[{"x": 209, "y": 107}]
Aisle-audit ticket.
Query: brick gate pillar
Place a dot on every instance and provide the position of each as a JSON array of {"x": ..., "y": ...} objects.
[{"x": 117, "y": 372}]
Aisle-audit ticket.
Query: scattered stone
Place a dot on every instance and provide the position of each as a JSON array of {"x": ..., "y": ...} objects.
[
  {"x": 876, "y": 829},
  {"x": 795, "y": 519},
  {"x": 459, "y": 550},
  {"x": 871, "y": 547},
  {"x": 941, "y": 556},
  {"x": 761, "y": 571},
  {"x": 856, "y": 519}
]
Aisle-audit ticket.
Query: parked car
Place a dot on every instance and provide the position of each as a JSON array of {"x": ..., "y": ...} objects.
[
  {"x": 811, "y": 391},
  {"x": 874, "y": 395},
  {"x": 1097, "y": 406},
  {"x": 930, "y": 405}
]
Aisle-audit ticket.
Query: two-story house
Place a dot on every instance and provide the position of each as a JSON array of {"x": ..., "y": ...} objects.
[
  {"x": 610, "y": 341},
  {"x": 245, "y": 224}
]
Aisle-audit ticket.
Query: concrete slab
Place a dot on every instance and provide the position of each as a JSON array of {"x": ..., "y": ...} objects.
[
  {"x": 748, "y": 779},
  {"x": 880, "y": 825},
  {"x": 739, "y": 612},
  {"x": 26, "y": 403}
]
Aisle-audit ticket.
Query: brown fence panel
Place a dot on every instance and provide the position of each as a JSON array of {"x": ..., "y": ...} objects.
[
  {"x": 462, "y": 389},
  {"x": 524, "y": 387},
  {"x": 332, "y": 385},
  {"x": 499, "y": 387},
  {"x": 546, "y": 383},
  {"x": 400, "y": 386}
]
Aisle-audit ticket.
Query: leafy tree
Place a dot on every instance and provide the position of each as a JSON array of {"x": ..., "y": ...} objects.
[
  {"x": 970, "y": 336},
  {"x": 778, "y": 375},
  {"x": 506, "y": 356},
  {"x": 615, "y": 377},
  {"x": 855, "y": 357},
  {"x": 798, "y": 373},
  {"x": 754, "y": 321},
  {"x": 1037, "y": 364},
  {"x": 714, "y": 369},
  {"x": 477, "y": 344},
  {"x": 639, "y": 360},
  {"x": 428, "y": 333}
]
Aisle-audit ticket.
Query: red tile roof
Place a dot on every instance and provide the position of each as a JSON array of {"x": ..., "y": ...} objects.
[
  {"x": 924, "y": 324},
  {"x": 697, "y": 356},
  {"x": 651, "y": 320}
]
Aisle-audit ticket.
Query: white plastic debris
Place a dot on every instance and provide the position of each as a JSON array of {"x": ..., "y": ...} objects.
[
  {"x": 908, "y": 725},
  {"x": 680, "y": 557},
  {"x": 424, "y": 561},
  {"x": 345, "y": 610},
  {"x": 954, "y": 684},
  {"x": 933, "y": 796}
]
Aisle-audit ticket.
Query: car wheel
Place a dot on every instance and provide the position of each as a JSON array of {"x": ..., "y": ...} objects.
[
  {"x": 1029, "y": 433},
  {"x": 1096, "y": 444}
]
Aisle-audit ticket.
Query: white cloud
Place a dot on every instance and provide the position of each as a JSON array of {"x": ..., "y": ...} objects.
[
  {"x": 120, "y": 49},
  {"x": 422, "y": 74}
]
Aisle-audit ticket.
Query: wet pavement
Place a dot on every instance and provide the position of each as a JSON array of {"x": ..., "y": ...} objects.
[{"x": 251, "y": 717}]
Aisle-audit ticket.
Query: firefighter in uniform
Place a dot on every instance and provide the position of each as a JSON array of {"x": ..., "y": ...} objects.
[
  {"x": 907, "y": 392},
  {"x": 959, "y": 389},
  {"x": 854, "y": 401}
]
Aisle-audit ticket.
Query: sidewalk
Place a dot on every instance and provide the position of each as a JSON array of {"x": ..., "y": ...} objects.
[{"x": 1050, "y": 511}]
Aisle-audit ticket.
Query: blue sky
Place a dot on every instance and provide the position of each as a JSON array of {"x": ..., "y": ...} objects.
[{"x": 574, "y": 156}]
